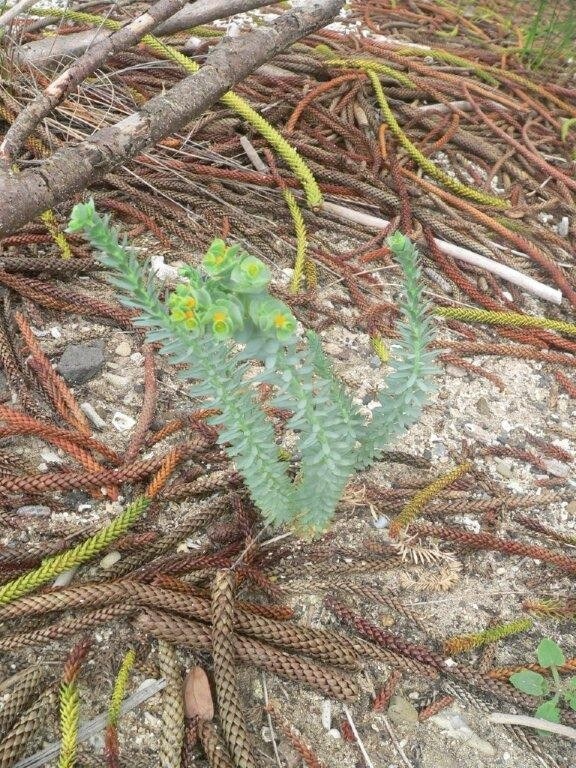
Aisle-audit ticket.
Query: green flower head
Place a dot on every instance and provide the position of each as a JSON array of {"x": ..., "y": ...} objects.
[
  {"x": 274, "y": 318},
  {"x": 250, "y": 276},
  {"x": 225, "y": 317},
  {"x": 187, "y": 306},
  {"x": 399, "y": 244},
  {"x": 220, "y": 259}
]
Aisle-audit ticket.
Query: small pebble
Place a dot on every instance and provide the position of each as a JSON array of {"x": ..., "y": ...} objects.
[
  {"x": 152, "y": 721},
  {"x": 161, "y": 270},
  {"x": 65, "y": 577},
  {"x": 34, "y": 510},
  {"x": 563, "y": 227},
  {"x": 504, "y": 467},
  {"x": 334, "y": 733},
  {"x": 192, "y": 44},
  {"x": 457, "y": 373},
  {"x": 454, "y": 726},
  {"x": 557, "y": 468},
  {"x": 119, "y": 382},
  {"x": 81, "y": 362},
  {"x": 439, "y": 450},
  {"x": 326, "y": 715},
  {"x": 93, "y": 415},
  {"x": 483, "y": 407},
  {"x": 123, "y": 349},
  {"x": 401, "y": 711},
  {"x": 109, "y": 560},
  {"x": 50, "y": 457},
  {"x": 267, "y": 735},
  {"x": 332, "y": 349}
]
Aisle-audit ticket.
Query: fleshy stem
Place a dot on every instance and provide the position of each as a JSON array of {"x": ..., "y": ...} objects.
[{"x": 411, "y": 378}]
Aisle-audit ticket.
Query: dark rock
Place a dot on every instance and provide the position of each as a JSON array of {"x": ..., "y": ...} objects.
[{"x": 81, "y": 362}]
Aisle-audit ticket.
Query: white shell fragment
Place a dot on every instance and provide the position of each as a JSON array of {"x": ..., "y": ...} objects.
[
  {"x": 65, "y": 577},
  {"x": 326, "y": 715},
  {"x": 122, "y": 422},
  {"x": 123, "y": 349},
  {"x": 161, "y": 270},
  {"x": 454, "y": 726}
]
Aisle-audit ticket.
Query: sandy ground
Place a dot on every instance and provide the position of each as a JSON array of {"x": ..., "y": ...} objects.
[{"x": 486, "y": 585}]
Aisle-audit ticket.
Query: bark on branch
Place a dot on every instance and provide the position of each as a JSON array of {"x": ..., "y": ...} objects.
[{"x": 72, "y": 168}]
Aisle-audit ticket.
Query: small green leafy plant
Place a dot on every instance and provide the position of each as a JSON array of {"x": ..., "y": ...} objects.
[
  {"x": 550, "y": 656},
  {"x": 222, "y": 322},
  {"x": 551, "y": 33}
]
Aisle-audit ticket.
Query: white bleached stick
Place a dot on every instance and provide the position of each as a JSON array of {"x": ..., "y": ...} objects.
[
  {"x": 533, "y": 722},
  {"x": 457, "y": 252}
]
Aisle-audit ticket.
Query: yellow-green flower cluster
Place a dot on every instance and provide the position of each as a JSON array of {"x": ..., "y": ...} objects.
[
  {"x": 228, "y": 297},
  {"x": 187, "y": 306},
  {"x": 273, "y": 317},
  {"x": 224, "y": 317}
]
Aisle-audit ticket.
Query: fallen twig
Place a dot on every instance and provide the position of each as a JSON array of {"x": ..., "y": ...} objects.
[
  {"x": 457, "y": 252},
  {"x": 533, "y": 722},
  {"x": 26, "y": 122}
]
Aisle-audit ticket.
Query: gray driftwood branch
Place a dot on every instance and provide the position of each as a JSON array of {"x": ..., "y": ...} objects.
[
  {"x": 72, "y": 168},
  {"x": 47, "y": 50}
]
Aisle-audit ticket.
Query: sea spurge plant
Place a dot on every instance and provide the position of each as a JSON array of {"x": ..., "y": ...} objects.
[{"x": 222, "y": 318}]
